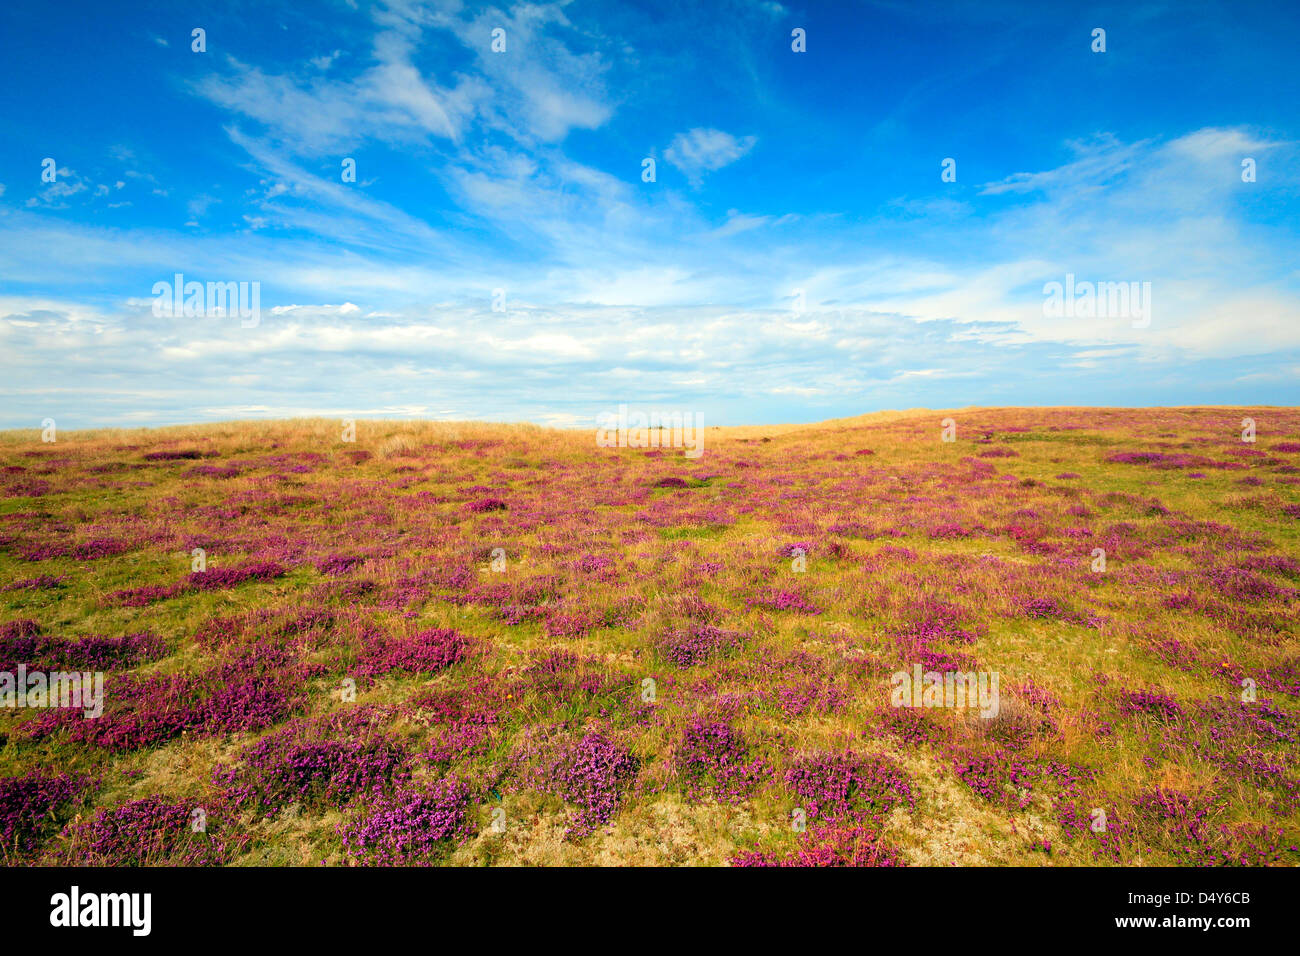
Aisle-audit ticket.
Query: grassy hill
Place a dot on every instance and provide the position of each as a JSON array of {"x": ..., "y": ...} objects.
[{"x": 465, "y": 643}]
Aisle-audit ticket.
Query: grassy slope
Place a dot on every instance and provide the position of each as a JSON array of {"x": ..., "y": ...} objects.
[{"x": 981, "y": 543}]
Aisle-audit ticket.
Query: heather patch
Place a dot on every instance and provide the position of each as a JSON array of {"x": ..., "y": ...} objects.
[
  {"x": 835, "y": 786},
  {"x": 139, "y": 712},
  {"x": 42, "y": 582},
  {"x": 1011, "y": 779},
  {"x": 410, "y": 827},
  {"x": 780, "y": 599},
  {"x": 316, "y": 762},
  {"x": 595, "y": 773},
  {"x": 149, "y": 832},
  {"x": 476, "y": 703},
  {"x": 1191, "y": 828},
  {"x": 1149, "y": 703},
  {"x": 249, "y": 692},
  {"x": 336, "y": 564},
  {"x": 186, "y": 454},
  {"x": 830, "y": 846},
  {"x": 89, "y": 652},
  {"x": 30, "y": 807},
  {"x": 909, "y": 726},
  {"x": 427, "y": 652},
  {"x": 712, "y": 757},
  {"x": 216, "y": 578},
  {"x": 697, "y": 644}
]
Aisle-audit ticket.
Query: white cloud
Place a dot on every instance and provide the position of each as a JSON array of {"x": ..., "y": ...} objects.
[{"x": 700, "y": 151}]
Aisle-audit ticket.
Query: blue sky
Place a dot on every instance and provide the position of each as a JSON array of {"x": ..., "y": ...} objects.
[{"x": 521, "y": 171}]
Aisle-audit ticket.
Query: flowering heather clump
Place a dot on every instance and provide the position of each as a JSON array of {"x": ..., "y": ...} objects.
[
  {"x": 843, "y": 785},
  {"x": 852, "y": 529},
  {"x": 1043, "y": 607},
  {"x": 777, "y": 599},
  {"x": 935, "y": 621},
  {"x": 19, "y": 629},
  {"x": 1156, "y": 458},
  {"x": 31, "y": 488},
  {"x": 260, "y": 688},
  {"x": 99, "y": 548},
  {"x": 216, "y": 578},
  {"x": 303, "y": 620},
  {"x": 671, "y": 482},
  {"x": 697, "y": 644},
  {"x": 217, "y": 631},
  {"x": 424, "y": 653},
  {"x": 184, "y": 455},
  {"x": 1273, "y": 563},
  {"x": 1182, "y": 826},
  {"x": 1181, "y": 601},
  {"x": 39, "y": 583},
  {"x": 946, "y": 531},
  {"x": 1110, "y": 843},
  {"x": 831, "y": 846},
  {"x": 998, "y": 777},
  {"x": 593, "y": 564},
  {"x": 211, "y": 471},
  {"x": 913, "y": 726},
  {"x": 28, "y": 806},
  {"x": 713, "y": 755},
  {"x": 139, "y": 712},
  {"x": 248, "y": 693},
  {"x": 800, "y": 698},
  {"x": 1283, "y": 677},
  {"x": 1150, "y": 702},
  {"x": 1037, "y": 697},
  {"x": 339, "y": 563},
  {"x": 487, "y": 504},
  {"x": 411, "y": 826},
  {"x": 560, "y": 624},
  {"x": 796, "y": 548},
  {"x": 1185, "y": 819},
  {"x": 1175, "y": 653},
  {"x": 316, "y": 762},
  {"x": 88, "y": 653},
  {"x": 894, "y": 551},
  {"x": 1246, "y": 586},
  {"x": 594, "y": 773},
  {"x": 148, "y": 832},
  {"x": 457, "y": 741},
  {"x": 477, "y": 703}
]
